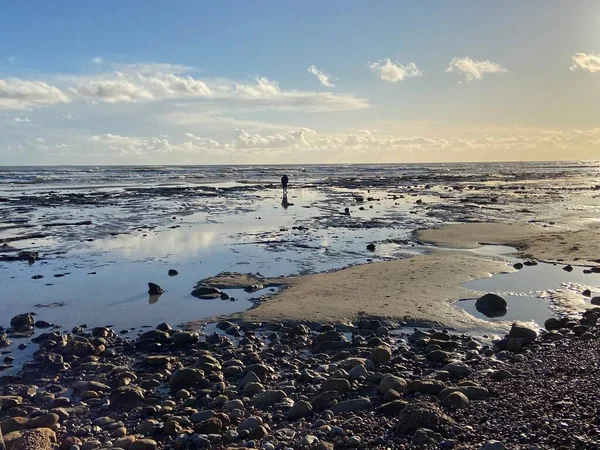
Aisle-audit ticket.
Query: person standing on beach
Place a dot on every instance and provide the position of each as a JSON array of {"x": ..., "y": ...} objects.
[{"x": 284, "y": 184}]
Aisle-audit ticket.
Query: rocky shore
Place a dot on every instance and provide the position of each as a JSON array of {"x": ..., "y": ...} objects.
[{"x": 285, "y": 385}]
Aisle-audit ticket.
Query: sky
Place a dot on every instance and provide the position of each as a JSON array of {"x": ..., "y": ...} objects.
[{"x": 289, "y": 82}]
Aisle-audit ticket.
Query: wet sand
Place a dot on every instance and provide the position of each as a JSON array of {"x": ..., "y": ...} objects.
[
  {"x": 418, "y": 291},
  {"x": 532, "y": 241},
  {"x": 422, "y": 290}
]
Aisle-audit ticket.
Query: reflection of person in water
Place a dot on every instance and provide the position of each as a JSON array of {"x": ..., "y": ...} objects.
[
  {"x": 284, "y": 201},
  {"x": 284, "y": 183}
]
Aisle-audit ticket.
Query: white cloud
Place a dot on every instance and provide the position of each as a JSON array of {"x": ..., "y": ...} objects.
[
  {"x": 323, "y": 78},
  {"x": 473, "y": 70},
  {"x": 21, "y": 94},
  {"x": 132, "y": 88},
  {"x": 390, "y": 71},
  {"x": 98, "y": 60},
  {"x": 586, "y": 61}
]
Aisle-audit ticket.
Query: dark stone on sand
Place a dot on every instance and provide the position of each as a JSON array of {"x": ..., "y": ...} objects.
[
  {"x": 491, "y": 305},
  {"x": 173, "y": 272},
  {"x": 518, "y": 266},
  {"x": 127, "y": 399},
  {"x": 595, "y": 301},
  {"x": 225, "y": 296},
  {"x": 568, "y": 268},
  {"x": 154, "y": 289},
  {"x": 37, "y": 277},
  {"x": 42, "y": 324},
  {"x": 206, "y": 292},
  {"x": 371, "y": 247},
  {"x": 553, "y": 324},
  {"x": 530, "y": 263},
  {"x": 587, "y": 293},
  {"x": 22, "y": 320}
]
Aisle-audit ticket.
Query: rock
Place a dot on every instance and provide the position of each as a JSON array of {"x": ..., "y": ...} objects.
[
  {"x": 79, "y": 346},
  {"x": 585, "y": 293},
  {"x": 336, "y": 384},
  {"x": 206, "y": 292},
  {"x": 13, "y": 424},
  {"x": 185, "y": 378},
  {"x": 143, "y": 444},
  {"x": 300, "y": 409},
  {"x": 10, "y": 401},
  {"x": 553, "y": 324},
  {"x": 522, "y": 330},
  {"x": 181, "y": 338},
  {"x": 352, "y": 405},
  {"x": 250, "y": 423},
  {"x": 371, "y": 247},
  {"x": 428, "y": 387},
  {"x": 568, "y": 268},
  {"x": 438, "y": 356},
  {"x": 22, "y": 320},
  {"x": 173, "y": 272},
  {"x": 381, "y": 355},
  {"x": 211, "y": 425},
  {"x": 392, "y": 408},
  {"x": 501, "y": 374},
  {"x": 321, "y": 401},
  {"x": 392, "y": 382},
  {"x": 43, "y": 421},
  {"x": 357, "y": 372},
  {"x": 422, "y": 414},
  {"x": 38, "y": 439},
  {"x": 493, "y": 445},
  {"x": 491, "y": 305},
  {"x": 514, "y": 345},
  {"x": 518, "y": 266},
  {"x": 42, "y": 324},
  {"x": 268, "y": 398},
  {"x": 127, "y": 399},
  {"x": 155, "y": 289},
  {"x": 425, "y": 436},
  {"x": 455, "y": 400},
  {"x": 595, "y": 300},
  {"x": 458, "y": 370}
]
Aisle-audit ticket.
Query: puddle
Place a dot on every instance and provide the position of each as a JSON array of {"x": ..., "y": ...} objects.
[{"x": 531, "y": 292}]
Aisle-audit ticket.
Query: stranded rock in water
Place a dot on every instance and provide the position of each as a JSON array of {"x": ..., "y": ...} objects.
[
  {"x": 173, "y": 272},
  {"x": 206, "y": 292},
  {"x": 154, "y": 289},
  {"x": 491, "y": 305}
]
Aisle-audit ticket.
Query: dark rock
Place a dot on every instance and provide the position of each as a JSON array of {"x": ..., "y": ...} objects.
[
  {"x": 518, "y": 266},
  {"x": 127, "y": 399},
  {"x": 206, "y": 292},
  {"x": 173, "y": 272},
  {"x": 154, "y": 289},
  {"x": 371, "y": 247},
  {"x": 568, "y": 268},
  {"x": 491, "y": 305},
  {"x": 595, "y": 300},
  {"x": 422, "y": 414},
  {"x": 521, "y": 330},
  {"x": 22, "y": 320},
  {"x": 587, "y": 293}
]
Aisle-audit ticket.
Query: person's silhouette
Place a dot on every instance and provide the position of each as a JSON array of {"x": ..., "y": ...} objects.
[
  {"x": 284, "y": 183},
  {"x": 284, "y": 201}
]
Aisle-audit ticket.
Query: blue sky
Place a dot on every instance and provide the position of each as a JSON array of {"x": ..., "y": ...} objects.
[{"x": 145, "y": 82}]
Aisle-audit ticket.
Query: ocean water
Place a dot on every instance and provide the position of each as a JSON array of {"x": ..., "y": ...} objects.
[{"x": 103, "y": 233}]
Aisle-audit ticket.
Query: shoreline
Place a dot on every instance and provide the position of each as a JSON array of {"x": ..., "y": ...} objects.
[{"x": 421, "y": 290}]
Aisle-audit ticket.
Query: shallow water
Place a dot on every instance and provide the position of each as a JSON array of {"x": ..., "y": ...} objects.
[{"x": 204, "y": 220}]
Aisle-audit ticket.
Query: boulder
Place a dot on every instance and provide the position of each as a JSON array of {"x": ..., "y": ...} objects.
[
  {"x": 381, "y": 354},
  {"x": 268, "y": 398},
  {"x": 455, "y": 400},
  {"x": 300, "y": 409},
  {"x": 425, "y": 437},
  {"x": 127, "y": 399},
  {"x": 392, "y": 382},
  {"x": 185, "y": 377},
  {"x": 336, "y": 384},
  {"x": 353, "y": 405},
  {"x": 22, "y": 320},
  {"x": 143, "y": 444},
  {"x": 206, "y": 292},
  {"x": 524, "y": 331},
  {"x": 491, "y": 305},
  {"x": 422, "y": 414},
  {"x": 155, "y": 289},
  {"x": 38, "y": 439}
]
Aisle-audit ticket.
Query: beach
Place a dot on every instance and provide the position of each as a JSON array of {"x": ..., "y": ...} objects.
[{"x": 297, "y": 326}]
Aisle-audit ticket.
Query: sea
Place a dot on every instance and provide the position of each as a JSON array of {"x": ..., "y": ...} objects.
[{"x": 102, "y": 233}]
